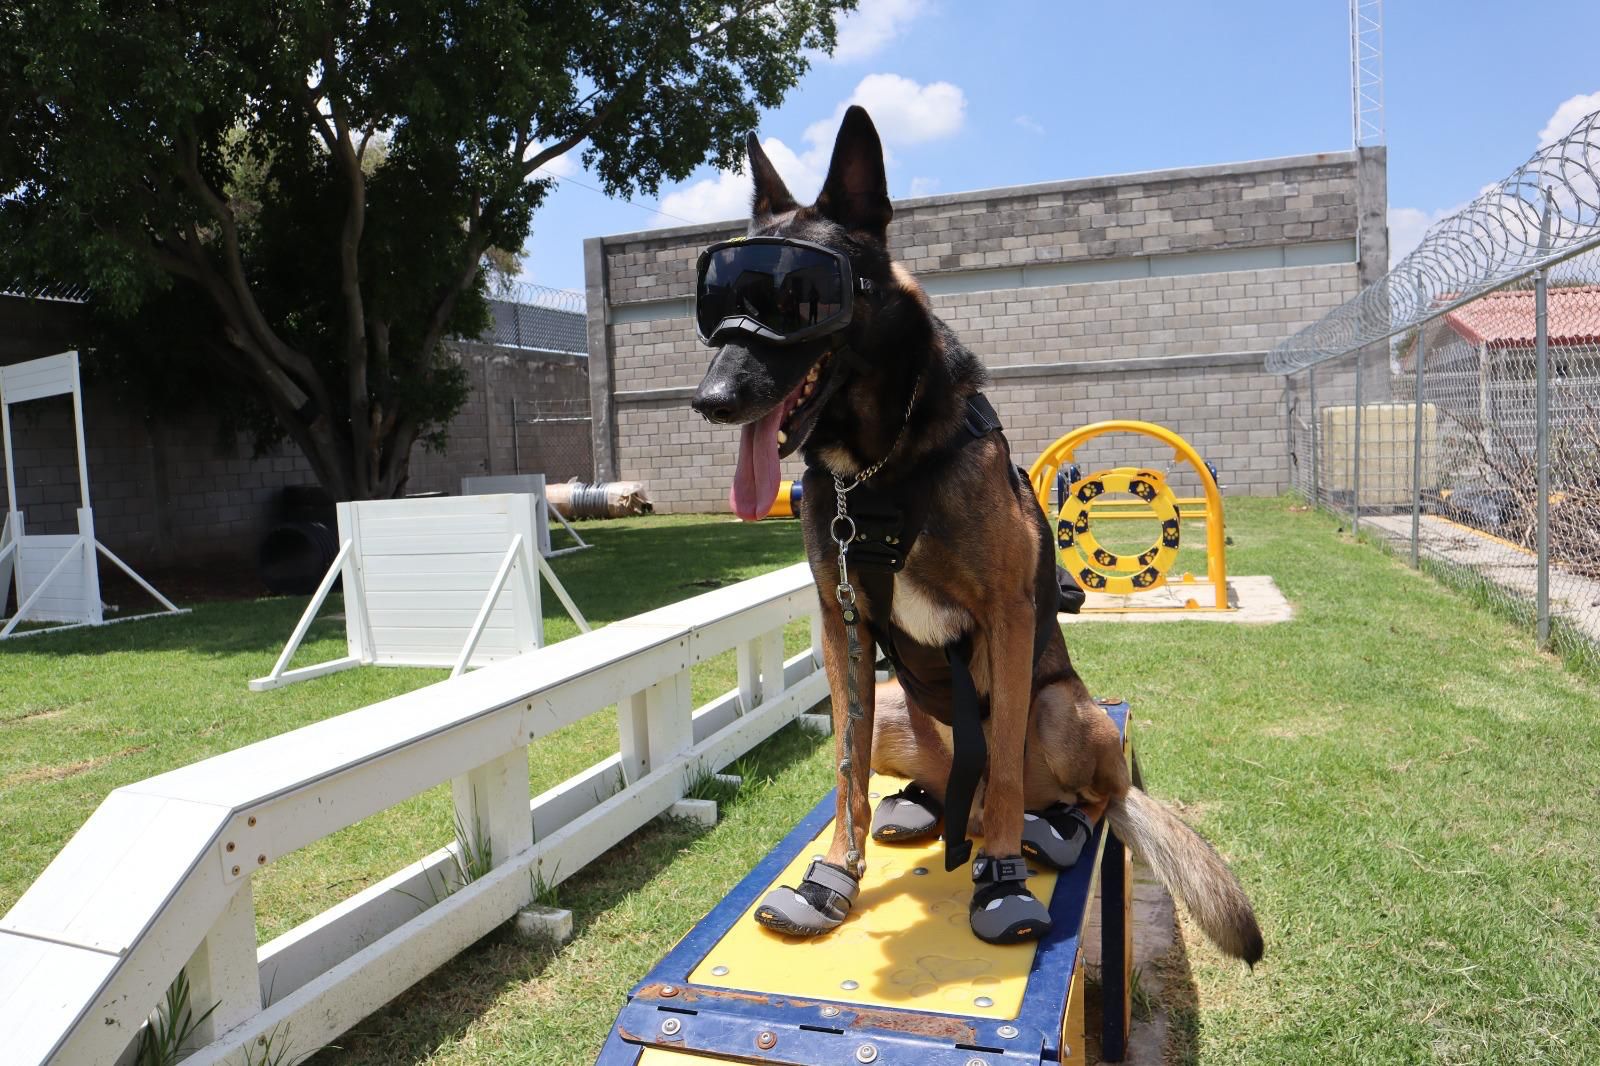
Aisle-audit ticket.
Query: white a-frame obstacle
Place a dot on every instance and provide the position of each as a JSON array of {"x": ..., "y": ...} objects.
[
  {"x": 57, "y": 576},
  {"x": 441, "y": 581}
]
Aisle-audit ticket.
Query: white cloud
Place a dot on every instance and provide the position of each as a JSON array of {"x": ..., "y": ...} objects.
[
  {"x": 924, "y": 186},
  {"x": 1566, "y": 116},
  {"x": 1511, "y": 218},
  {"x": 1029, "y": 123},
  {"x": 565, "y": 165},
  {"x": 728, "y": 194},
  {"x": 904, "y": 111},
  {"x": 868, "y": 29},
  {"x": 1406, "y": 227}
]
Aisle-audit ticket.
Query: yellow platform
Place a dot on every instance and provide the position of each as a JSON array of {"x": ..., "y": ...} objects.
[
  {"x": 906, "y": 943},
  {"x": 901, "y": 981}
]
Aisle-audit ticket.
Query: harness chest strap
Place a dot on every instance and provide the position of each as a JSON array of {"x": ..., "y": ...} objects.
[{"x": 887, "y": 526}]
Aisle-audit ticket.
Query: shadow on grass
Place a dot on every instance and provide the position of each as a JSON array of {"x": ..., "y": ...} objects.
[
  {"x": 634, "y": 565},
  {"x": 443, "y": 1006}
]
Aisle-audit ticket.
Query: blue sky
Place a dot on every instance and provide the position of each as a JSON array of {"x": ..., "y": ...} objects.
[{"x": 972, "y": 95}]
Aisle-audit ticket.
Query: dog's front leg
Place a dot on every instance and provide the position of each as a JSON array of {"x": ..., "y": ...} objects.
[
  {"x": 853, "y": 763},
  {"x": 826, "y": 894},
  {"x": 1003, "y": 911}
]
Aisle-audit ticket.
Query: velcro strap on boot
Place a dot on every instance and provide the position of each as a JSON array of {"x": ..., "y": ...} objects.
[
  {"x": 833, "y": 879},
  {"x": 989, "y": 871}
]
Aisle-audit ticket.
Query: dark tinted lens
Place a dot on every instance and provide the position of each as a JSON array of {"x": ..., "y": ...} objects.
[{"x": 781, "y": 287}]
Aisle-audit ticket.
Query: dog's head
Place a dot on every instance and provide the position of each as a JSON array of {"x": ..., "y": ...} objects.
[{"x": 778, "y": 391}]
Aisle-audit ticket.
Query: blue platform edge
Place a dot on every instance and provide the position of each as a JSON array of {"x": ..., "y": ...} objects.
[{"x": 711, "y": 1020}]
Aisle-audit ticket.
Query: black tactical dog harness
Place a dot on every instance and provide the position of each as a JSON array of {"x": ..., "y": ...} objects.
[{"x": 938, "y": 679}]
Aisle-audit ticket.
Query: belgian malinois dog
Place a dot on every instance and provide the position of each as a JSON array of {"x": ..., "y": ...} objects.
[{"x": 925, "y": 539}]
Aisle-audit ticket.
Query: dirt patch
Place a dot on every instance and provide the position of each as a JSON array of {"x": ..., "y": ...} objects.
[
  {"x": 66, "y": 770},
  {"x": 43, "y": 714}
]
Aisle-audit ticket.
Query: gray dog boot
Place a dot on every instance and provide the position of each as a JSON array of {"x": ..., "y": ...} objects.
[
  {"x": 1003, "y": 911},
  {"x": 1056, "y": 836},
  {"x": 817, "y": 906},
  {"x": 908, "y": 815}
]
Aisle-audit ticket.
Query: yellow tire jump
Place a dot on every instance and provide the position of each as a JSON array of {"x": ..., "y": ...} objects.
[
  {"x": 1100, "y": 570},
  {"x": 1105, "y": 571}
]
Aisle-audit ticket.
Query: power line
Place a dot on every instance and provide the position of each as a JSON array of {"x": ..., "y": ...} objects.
[{"x": 574, "y": 181}]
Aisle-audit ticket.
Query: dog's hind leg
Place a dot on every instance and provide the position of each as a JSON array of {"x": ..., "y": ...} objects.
[
  {"x": 831, "y": 884},
  {"x": 907, "y": 743}
]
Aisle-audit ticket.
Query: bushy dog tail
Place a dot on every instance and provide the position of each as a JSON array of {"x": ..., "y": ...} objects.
[{"x": 1191, "y": 870}]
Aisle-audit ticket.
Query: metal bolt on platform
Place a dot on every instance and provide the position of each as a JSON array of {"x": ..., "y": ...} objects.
[
  {"x": 671, "y": 1026},
  {"x": 866, "y": 1053}
]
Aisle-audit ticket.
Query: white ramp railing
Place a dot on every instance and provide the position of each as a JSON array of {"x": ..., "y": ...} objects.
[{"x": 158, "y": 880}]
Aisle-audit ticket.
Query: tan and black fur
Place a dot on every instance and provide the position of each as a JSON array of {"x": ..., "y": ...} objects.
[{"x": 973, "y": 570}]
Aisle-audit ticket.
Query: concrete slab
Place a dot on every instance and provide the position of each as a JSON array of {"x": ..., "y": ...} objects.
[
  {"x": 1254, "y": 600},
  {"x": 1574, "y": 599}
]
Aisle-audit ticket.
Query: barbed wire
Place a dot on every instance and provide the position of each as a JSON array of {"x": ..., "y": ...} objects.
[
  {"x": 530, "y": 295},
  {"x": 1546, "y": 211},
  {"x": 58, "y": 292}
]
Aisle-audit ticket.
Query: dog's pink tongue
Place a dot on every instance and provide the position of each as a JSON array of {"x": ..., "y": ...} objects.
[{"x": 755, "y": 479}]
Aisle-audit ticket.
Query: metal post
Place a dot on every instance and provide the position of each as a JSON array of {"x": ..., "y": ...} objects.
[
  {"x": 1416, "y": 443},
  {"x": 516, "y": 445},
  {"x": 1316, "y": 445},
  {"x": 1541, "y": 403},
  {"x": 1355, "y": 455},
  {"x": 1289, "y": 454}
]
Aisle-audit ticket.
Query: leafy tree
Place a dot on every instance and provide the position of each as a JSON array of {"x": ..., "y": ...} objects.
[{"x": 308, "y": 196}]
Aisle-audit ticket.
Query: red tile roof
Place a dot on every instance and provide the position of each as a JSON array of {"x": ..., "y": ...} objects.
[{"x": 1505, "y": 319}]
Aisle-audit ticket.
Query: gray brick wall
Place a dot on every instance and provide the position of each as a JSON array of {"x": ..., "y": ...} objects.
[
  {"x": 1191, "y": 274},
  {"x": 183, "y": 492}
]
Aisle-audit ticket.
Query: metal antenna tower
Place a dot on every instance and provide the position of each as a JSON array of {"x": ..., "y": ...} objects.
[{"x": 1366, "y": 72}]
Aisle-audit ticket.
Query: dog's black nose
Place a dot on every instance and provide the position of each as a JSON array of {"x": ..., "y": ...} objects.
[{"x": 715, "y": 401}]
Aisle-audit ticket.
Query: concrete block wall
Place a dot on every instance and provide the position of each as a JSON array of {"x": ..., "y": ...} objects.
[
  {"x": 1151, "y": 296},
  {"x": 482, "y": 440},
  {"x": 182, "y": 492}
]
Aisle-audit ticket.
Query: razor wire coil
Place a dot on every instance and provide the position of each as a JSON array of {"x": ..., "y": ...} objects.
[{"x": 1544, "y": 212}]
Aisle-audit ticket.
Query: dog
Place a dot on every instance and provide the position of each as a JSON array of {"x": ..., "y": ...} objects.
[{"x": 926, "y": 540}]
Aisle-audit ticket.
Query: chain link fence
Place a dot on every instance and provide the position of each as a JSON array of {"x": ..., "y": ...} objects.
[
  {"x": 552, "y": 437},
  {"x": 1452, "y": 409},
  {"x": 538, "y": 318},
  {"x": 551, "y": 427}
]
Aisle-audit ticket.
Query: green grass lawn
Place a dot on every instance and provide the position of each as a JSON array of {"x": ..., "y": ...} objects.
[{"x": 1407, "y": 788}]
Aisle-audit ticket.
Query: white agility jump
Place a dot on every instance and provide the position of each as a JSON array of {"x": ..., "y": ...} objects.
[
  {"x": 57, "y": 575},
  {"x": 158, "y": 879},
  {"x": 443, "y": 581}
]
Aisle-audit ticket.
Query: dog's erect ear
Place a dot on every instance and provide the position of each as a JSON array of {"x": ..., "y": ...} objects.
[
  {"x": 771, "y": 194},
  {"x": 856, "y": 192}
]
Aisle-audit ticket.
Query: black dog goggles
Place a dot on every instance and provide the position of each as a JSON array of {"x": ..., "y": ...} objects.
[{"x": 775, "y": 289}]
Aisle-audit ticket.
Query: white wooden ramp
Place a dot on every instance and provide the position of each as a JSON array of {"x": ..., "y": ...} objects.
[{"x": 159, "y": 878}]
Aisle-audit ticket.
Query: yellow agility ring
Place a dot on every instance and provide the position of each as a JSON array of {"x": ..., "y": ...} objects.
[
  {"x": 1076, "y": 507},
  {"x": 1105, "y": 571}
]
